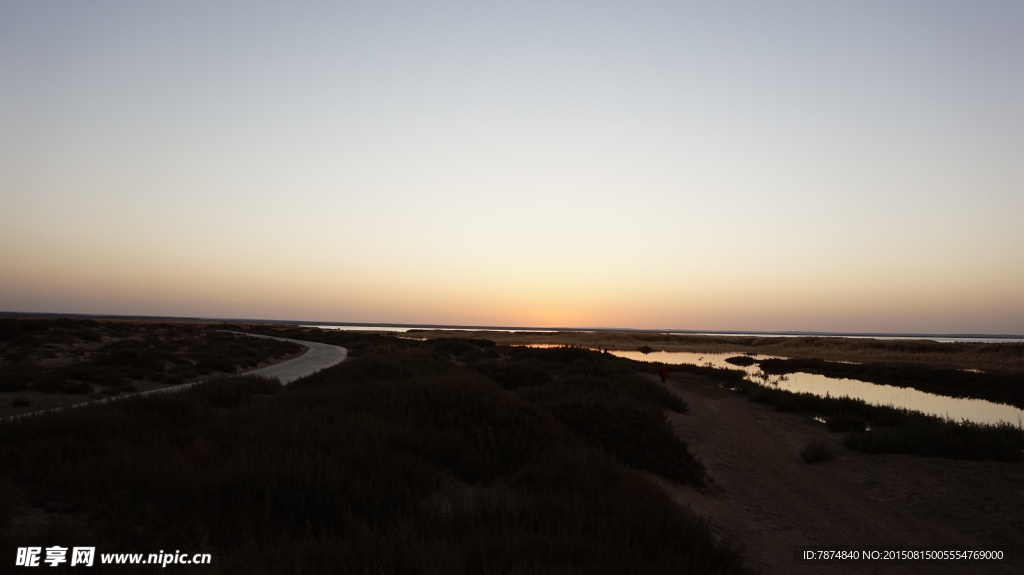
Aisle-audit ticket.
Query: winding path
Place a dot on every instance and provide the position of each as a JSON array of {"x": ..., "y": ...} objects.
[{"x": 319, "y": 356}]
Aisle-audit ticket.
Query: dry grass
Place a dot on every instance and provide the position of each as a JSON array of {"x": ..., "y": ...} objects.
[
  {"x": 1000, "y": 357},
  {"x": 51, "y": 363}
]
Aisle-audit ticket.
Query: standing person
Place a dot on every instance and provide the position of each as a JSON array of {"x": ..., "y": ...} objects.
[{"x": 663, "y": 372}]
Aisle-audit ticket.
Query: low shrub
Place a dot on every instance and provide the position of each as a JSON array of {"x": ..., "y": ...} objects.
[
  {"x": 733, "y": 378},
  {"x": 934, "y": 437},
  {"x": 1001, "y": 387},
  {"x": 8, "y": 499},
  {"x": 816, "y": 451},
  {"x": 18, "y": 376},
  {"x": 845, "y": 422},
  {"x": 209, "y": 365},
  {"x": 899, "y": 430},
  {"x": 170, "y": 378},
  {"x": 78, "y": 388},
  {"x": 787, "y": 403},
  {"x": 227, "y": 392},
  {"x": 761, "y": 395},
  {"x": 97, "y": 373},
  {"x": 513, "y": 375},
  {"x": 462, "y": 348},
  {"x": 637, "y": 437}
]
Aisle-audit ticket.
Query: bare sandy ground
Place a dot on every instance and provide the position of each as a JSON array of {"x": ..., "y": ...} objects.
[{"x": 768, "y": 498}]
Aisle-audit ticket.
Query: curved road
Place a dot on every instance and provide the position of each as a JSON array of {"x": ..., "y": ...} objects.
[{"x": 319, "y": 356}]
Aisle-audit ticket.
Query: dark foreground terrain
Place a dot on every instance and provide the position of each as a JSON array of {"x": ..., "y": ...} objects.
[
  {"x": 463, "y": 456},
  {"x": 411, "y": 457}
]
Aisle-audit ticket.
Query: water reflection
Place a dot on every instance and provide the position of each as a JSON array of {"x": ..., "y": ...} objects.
[{"x": 975, "y": 410}]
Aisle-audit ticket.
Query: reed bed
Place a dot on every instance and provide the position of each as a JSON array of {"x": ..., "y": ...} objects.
[{"x": 887, "y": 429}]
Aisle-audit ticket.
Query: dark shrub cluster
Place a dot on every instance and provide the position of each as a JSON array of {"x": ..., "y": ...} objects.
[
  {"x": 742, "y": 360},
  {"x": 160, "y": 353},
  {"x": 896, "y": 430},
  {"x": 935, "y": 437},
  {"x": 226, "y": 392},
  {"x": 604, "y": 401},
  {"x": 816, "y": 451},
  {"x": 998, "y": 387},
  {"x": 843, "y": 421}
]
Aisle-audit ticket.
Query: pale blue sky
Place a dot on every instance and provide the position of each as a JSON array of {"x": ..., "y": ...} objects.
[{"x": 729, "y": 165}]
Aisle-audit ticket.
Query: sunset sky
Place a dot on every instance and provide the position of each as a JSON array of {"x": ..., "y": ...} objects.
[{"x": 811, "y": 165}]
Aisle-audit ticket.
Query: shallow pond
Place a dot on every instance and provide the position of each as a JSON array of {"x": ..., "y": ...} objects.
[{"x": 975, "y": 410}]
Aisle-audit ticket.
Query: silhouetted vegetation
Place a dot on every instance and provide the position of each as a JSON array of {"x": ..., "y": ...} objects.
[
  {"x": 410, "y": 457},
  {"x": 20, "y": 401},
  {"x": 227, "y": 392},
  {"x": 727, "y": 377},
  {"x": 895, "y": 430},
  {"x": 603, "y": 400},
  {"x": 357, "y": 343},
  {"x": 997, "y": 387},
  {"x": 932, "y": 436},
  {"x": 742, "y": 360},
  {"x": 816, "y": 451},
  {"x": 999, "y": 357},
  {"x": 585, "y": 390},
  {"x": 86, "y": 357},
  {"x": 843, "y": 421}
]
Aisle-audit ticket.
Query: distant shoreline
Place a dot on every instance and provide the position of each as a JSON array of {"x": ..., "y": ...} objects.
[{"x": 412, "y": 326}]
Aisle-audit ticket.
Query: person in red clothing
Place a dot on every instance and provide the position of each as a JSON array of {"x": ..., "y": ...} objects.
[{"x": 663, "y": 372}]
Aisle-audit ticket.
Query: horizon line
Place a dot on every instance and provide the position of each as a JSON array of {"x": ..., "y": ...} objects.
[{"x": 810, "y": 333}]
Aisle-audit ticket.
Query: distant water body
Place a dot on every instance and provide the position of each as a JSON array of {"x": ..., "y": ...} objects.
[
  {"x": 921, "y": 337},
  {"x": 951, "y": 408},
  {"x": 955, "y": 409}
]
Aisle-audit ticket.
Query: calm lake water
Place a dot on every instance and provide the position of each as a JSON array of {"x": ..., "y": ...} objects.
[{"x": 975, "y": 410}]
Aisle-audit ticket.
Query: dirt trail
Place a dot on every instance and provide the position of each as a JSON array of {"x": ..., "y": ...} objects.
[
  {"x": 314, "y": 357},
  {"x": 317, "y": 356},
  {"x": 768, "y": 498}
]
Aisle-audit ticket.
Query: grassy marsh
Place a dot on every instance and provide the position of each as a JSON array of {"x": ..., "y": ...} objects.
[
  {"x": 996, "y": 357},
  {"x": 894, "y": 430},
  {"x": 438, "y": 457},
  {"x": 922, "y": 365}
]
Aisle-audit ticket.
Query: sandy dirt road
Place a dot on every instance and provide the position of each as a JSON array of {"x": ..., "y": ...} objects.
[
  {"x": 319, "y": 356},
  {"x": 316, "y": 357},
  {"x": 765, "y": 496}
]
